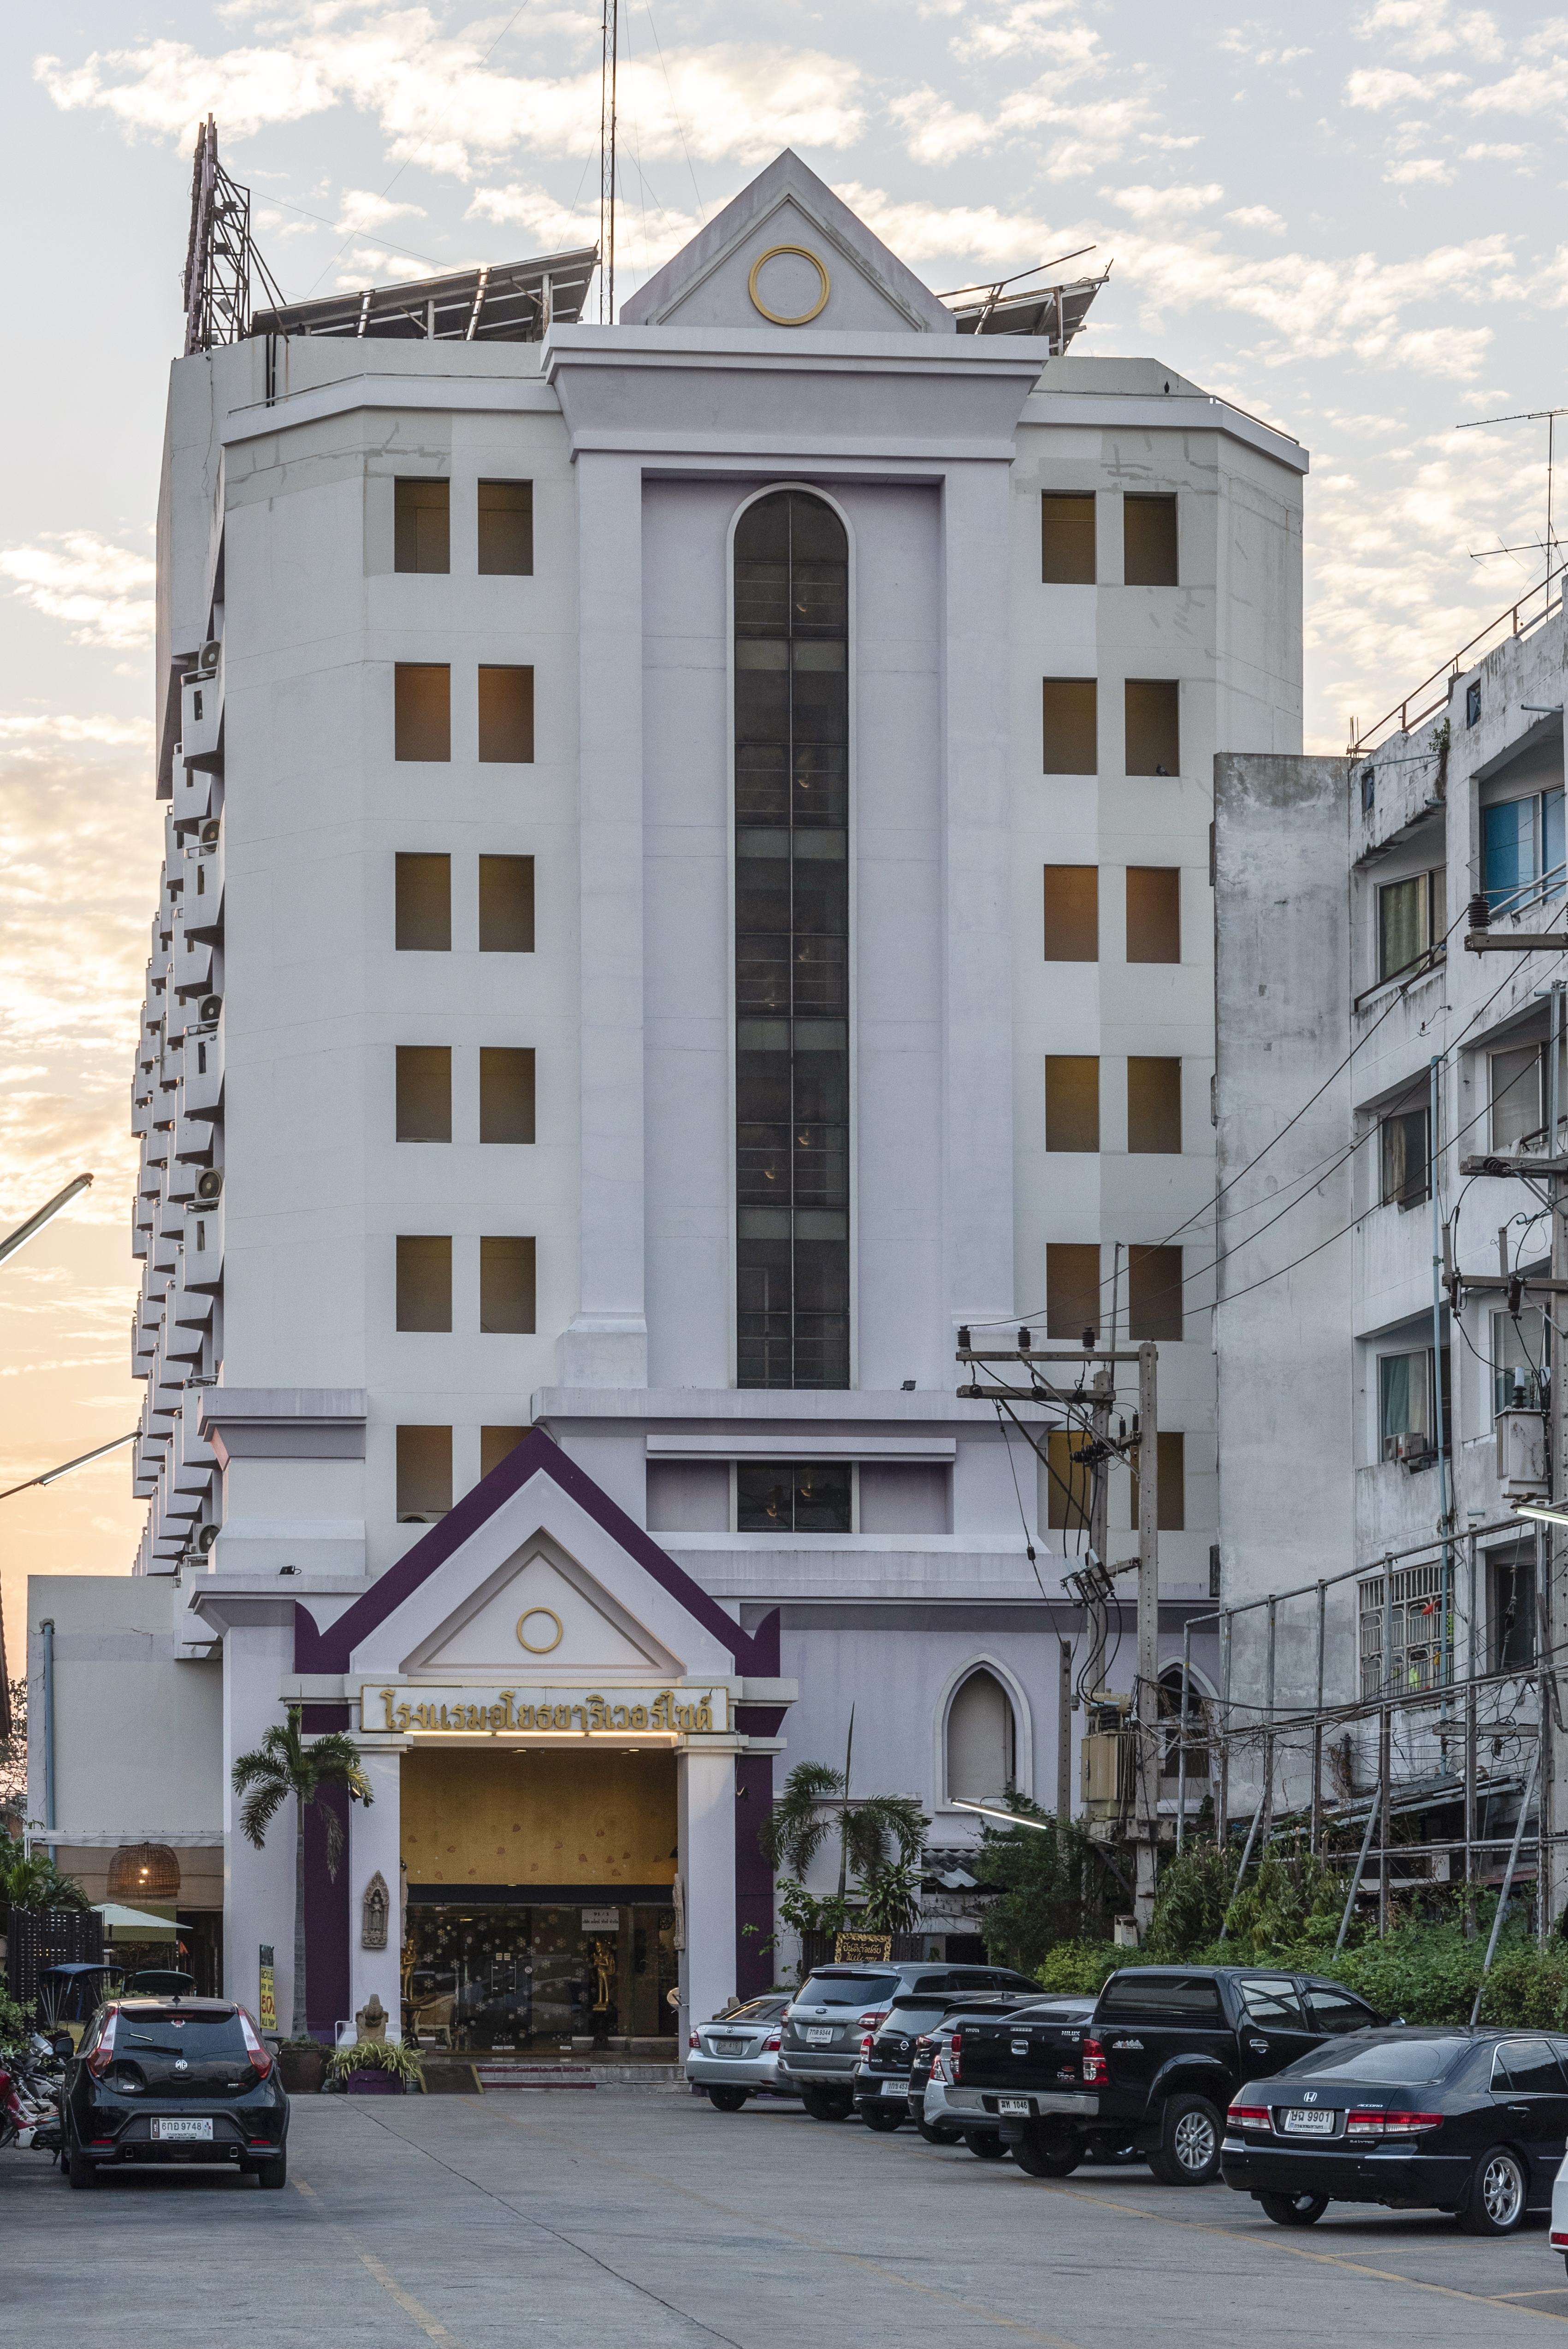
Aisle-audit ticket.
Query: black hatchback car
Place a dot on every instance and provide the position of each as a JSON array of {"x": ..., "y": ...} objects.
[
  {"x": 166, "y": 2080},
  {"x": 1472, "y": 2122}
]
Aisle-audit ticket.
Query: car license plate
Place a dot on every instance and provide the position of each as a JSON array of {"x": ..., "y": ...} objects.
[
  {"x": 895, "y": 2087},
  {"x": 729, "y": 2047},
  {"x": 1301, "y": 2122},
  {"x": 162, "y": 2128},
  {"x": 1014, "y": 2105},
  {"x": 824, "y": 2038}
]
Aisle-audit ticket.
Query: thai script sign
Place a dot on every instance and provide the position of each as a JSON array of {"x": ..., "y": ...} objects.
[{"x": 415, "y": 1711}]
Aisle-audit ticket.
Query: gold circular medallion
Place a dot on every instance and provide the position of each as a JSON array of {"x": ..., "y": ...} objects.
[
  {"x": 532, "y": 1615},
  {"x": 775, "y": 317}
]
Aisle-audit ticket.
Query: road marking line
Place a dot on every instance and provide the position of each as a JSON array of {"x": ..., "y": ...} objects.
[
  {"x": 815, "y": 2243},
  {"x": 428, "y": 2324},
  {"x": 1298, "y": 2252}
]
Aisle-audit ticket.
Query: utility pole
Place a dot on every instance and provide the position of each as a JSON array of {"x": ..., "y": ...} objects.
[
  {"x": 1064, "y": 1730},
  {"x": 1148, "y": 1697},
  {"x": 1099, "y": 1523}
]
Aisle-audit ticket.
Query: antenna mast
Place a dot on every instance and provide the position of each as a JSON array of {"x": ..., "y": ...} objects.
[
  {"x": 609, "y": 59},
  {"x": 219, "y": 255}
]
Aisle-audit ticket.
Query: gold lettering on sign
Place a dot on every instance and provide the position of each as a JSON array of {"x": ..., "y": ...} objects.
[{"x": 557, "y": 1712}]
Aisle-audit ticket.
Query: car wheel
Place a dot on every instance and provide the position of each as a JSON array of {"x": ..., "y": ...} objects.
[
  {"x": 986, "y": 2144},
  {"x": 1055, "y": 2156},
  {"x": 1189, "y": 2140},
  {"x": 827, "y": 2105},
  {"x": 1295, "y": 2209},
  {"x": 276, "y": 2172},
  {"x": 883, "y": 2118},
  {"x": 77, "y": 2168},
  {"x": 727, "y": 2100},
  {"x": 1499, "y": 2193},
  {"x": 934, "y": 2135}
]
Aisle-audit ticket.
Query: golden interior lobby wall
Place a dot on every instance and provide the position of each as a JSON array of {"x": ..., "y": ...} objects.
[{"x": 521, "y": 1815}]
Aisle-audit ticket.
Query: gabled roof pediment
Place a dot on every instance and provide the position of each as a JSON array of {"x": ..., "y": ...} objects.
[
  {"x": 786, "y": 251},
  {"x": 542, "y": 1610}
]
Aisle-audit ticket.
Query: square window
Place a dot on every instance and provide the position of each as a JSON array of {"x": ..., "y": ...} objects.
[
  {"x": 506, "y": 529},
  {"x": 495, "y": 1442},
  {"x": 424, "y": 1092},
  {"x": 1472, "y": 703},
  {"x": 1153, "y": 726},
  {"x": 1153, "y": 1106},
  {"x": 794, "y": 1497},
  {"x": 1170, "y": 1507},
  {"x": 1154, "y": 1293},
  {"x": 1072, "y": 912},
  {"x": 423, "y": 728},
  {"x": 423, "y": 921},
  {"x": 1402, "y": 1147},
  {"x": 507, "y": 1286},
  {"x": 422, "y": 530},
  {"x": 506, "y": 716},
  {"x": 505, "y": 1093},
  {"x": 424, "y": 1473},
  {"x": 1066, "y": 539},
  {"x": 1070, "y": 726},
  {"x": 1517, "y": 1115},
  {"x": 1149, "y": 541},
  {"x": 1154, "y": 912},
  {"x": 424, "y": 1280},
  {"x": 1072, "y": 1289},
  {"x": 1072, "y": 1101},
  {"x": 506, "y": 905}
]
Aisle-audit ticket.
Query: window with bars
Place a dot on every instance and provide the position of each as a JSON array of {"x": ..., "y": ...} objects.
[
  {"x": 1421, "y": 1650},
  {"x": 792, "y": 946}
]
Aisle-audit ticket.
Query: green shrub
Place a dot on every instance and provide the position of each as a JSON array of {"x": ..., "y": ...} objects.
[
  {"x": 15, "y": 2021},
  {"x": 1080, "y": 1968},
  {"x": 1050, "y": 1883},
  {"x": 377, "y": 2056}
]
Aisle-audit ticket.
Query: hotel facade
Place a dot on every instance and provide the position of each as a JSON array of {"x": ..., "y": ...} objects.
[{"x": 687, "y": 883}]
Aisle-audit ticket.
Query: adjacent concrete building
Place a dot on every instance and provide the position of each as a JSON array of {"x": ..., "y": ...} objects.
[{"x": 686, "y": 882}]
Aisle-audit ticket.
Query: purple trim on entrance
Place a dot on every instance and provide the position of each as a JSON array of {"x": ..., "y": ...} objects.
[
  {"x": 753, "y": 1876},
  {"x": 326, "y": 1969},
  {"x": 316, "y": 1651}
]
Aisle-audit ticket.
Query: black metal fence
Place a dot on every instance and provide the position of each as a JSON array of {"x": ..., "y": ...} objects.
[{"x": 38, "y": 1937}]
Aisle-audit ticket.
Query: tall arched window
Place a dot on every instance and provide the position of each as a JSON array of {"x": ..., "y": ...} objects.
[
  {"x": 981, "y": 1741},
  {"x": 792, "y": 942}
]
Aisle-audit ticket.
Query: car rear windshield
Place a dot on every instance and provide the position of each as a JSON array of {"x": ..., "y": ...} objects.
[
  {"x": 1175, "y": 1998},
  {"x": 197, "y": 2037},
  {"x": 907, "y": 2019},
  {"x": 847, "y": 1990},
  {"x": 1395, "y": 2063}
]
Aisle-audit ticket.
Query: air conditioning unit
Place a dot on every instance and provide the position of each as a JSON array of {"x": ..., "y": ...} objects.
[
  {"x": 209, "y": 1182},
  {"x": 1415, "y": 1450},
  {"x": 1522, "y": 1454},
  {"x": 212, "y": 832},
  {"x": 210, "y": 1009},
  {"x": 205, "y": 1538},
  {"x": 207, "y": 659}
]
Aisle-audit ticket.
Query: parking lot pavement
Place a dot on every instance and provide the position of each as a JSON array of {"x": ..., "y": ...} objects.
[{"x": 583, "y": 2217}]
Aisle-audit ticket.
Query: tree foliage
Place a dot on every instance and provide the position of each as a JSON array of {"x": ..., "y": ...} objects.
[
  {"x": 1050, "y": 1884},
  {"x": 32, "y": 1882},
  {"x": 285, "y": 1763},
  {"x": 875, "y": 1832}
]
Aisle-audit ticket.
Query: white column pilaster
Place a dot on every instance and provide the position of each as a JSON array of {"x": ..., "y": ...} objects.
[
  {"x": 375, "y": 1843},
  {"x": 258, "y": 1886},
  {"x": 706, "y": 1839}
]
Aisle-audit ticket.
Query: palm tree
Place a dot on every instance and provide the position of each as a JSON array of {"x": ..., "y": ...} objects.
[
  {"x": 870, "y": 1827},
  {"x": 284, "y": 1765}
]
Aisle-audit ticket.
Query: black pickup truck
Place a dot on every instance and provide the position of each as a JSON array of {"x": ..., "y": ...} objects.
[{"x": 1165, "y": 2051}]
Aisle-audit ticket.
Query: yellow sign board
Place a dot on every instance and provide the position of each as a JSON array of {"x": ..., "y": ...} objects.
[
  {"x": 266, "y": 2000},
  {"x": 415, "y": 1709}
]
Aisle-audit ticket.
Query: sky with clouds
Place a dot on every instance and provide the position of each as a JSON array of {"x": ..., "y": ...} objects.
[{"x": 1349, "y": 220}]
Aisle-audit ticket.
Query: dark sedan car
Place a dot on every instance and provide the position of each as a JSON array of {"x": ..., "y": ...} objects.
[
  {"x": 1472, "y": 2122},
  {"x": 185, "y": 2079}
]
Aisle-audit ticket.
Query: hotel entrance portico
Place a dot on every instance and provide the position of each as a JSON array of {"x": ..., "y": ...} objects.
[{"x": 566, "y": 1741}]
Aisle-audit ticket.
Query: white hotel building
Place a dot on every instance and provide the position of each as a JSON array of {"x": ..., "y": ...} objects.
[{"x": 686, "y": 882}]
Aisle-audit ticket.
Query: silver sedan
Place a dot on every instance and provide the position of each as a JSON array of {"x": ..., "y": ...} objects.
[{"x": 737, "y": 2056}]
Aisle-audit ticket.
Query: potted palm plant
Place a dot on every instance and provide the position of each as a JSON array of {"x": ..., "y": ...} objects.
[
  {"x": 285, "y": 1763},
  {"x": 377, "y": 2067}
]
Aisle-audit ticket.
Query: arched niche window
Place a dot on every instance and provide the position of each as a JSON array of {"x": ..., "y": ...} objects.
[
  {"x": 792, "y": 943},
  {"x": 1170, "y": 1715},
  {"x": 982, "y": 1739}
]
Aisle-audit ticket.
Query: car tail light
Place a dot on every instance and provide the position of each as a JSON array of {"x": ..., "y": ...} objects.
[
  {"x": 1253, "y": 2116},
  {"x": 261, "y": 2145},
  {"x": 1411, "y": 2124},
  {"x": 1095, "y": 2067},
  {"x": 955, "y": 2058},
  {"x": 874, "y": 2018},
  {"x": 1559, "y": 2243},
  {"x": 771, "y": 2046},
  {"x": 261, "y": 2056},
  {"x": 102, "y": 2055},
  {"x": 867, "y": 2040},
  {"x": 692, "y": 2040}
]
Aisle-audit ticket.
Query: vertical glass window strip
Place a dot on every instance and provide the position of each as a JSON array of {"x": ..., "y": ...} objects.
[{"x": 792, "y": 946}]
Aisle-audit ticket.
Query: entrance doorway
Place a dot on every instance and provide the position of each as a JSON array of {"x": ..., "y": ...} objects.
[{"x": 524, "y": 1974}]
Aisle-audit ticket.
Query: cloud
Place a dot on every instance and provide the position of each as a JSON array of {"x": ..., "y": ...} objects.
[
  {"x": 434, "y": 96},
  {"x": 1422, "y": 29},
  {"x": 642, "y": 241},
  {"x": 1258, "y": 216},
  {"x": 1377, "y": 87},
  {"x": 105, "y": 591},
  {"x": 1089, "y": 133},
  {"x": 358, "y": 209},
  {"x": 375, "y": 263},
  {"x": 1483, "y": 153},
  {"x": 956, "y": 235},
  {"x": 1419, "y": 171},
  {"x": 1167, "y": 204},
  {"x": 1048, "y": 26},
  {"x": 25, "y": 729}
]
